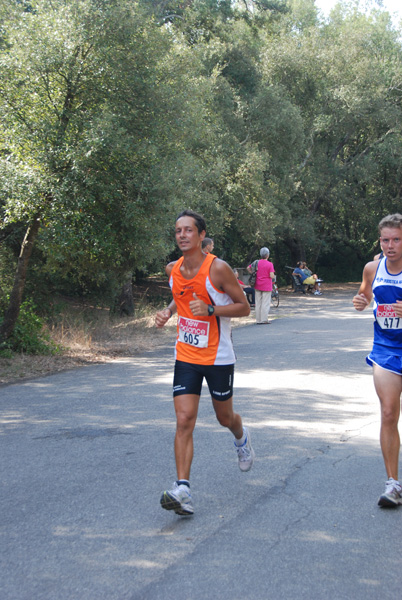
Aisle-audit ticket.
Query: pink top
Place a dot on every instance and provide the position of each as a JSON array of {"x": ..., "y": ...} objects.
[{"x": 264, "y": 281}]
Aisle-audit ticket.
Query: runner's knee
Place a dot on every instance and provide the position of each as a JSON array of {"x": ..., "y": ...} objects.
[
  {"x": 226, "y": 418},
  {"x": 389, "y": 415},
  {"x": 184, "y": 423}
]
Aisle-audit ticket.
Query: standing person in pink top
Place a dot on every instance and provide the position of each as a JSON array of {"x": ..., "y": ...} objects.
[{"x": 263, "y": 286}]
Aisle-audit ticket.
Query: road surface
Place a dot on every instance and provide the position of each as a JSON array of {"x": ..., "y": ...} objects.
[{"x": 86, "y": 454}]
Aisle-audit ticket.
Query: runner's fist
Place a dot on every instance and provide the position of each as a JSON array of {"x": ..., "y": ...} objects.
[
  {"x": 398, "y": 308},
  {"x": 162, "y": 317},
  {"x": 360, "y": 302}
]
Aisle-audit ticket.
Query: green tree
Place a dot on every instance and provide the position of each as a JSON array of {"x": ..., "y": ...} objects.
[
  {"x": 246, "y": 177},
  {"x": 343, "y": 78},
  {"x": 100, "y": 124}
]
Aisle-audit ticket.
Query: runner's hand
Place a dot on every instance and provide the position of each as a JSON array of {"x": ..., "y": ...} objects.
[
  {"x": 198, "y": 307},
  {"x": 360, "y": 302},
  {"x": 398, "y": 308},
  {"x": 162, "y": 317}
]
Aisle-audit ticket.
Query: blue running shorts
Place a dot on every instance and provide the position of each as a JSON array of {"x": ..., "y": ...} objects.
[
  {"x": 389, "y": 362},
  {"x": 188, "y": 379}
]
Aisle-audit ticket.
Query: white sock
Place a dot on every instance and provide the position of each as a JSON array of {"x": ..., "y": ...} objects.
[
  {"x": 242, "y": 440},
  {"x": 183, "y": 482}
]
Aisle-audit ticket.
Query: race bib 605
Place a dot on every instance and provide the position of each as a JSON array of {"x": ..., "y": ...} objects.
[
  {"x": 387, "y": 317},
  {"x": 193, "y": 332}
]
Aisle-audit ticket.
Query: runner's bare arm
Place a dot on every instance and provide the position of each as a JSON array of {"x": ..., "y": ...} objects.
[
  {"x": 365, "y": 293},
  {"x": 163, "y": 316},
  {"x": 223, "y": 279}
]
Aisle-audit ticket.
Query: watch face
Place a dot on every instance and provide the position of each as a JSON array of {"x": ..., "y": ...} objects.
[{"x": 210, "y": 310}]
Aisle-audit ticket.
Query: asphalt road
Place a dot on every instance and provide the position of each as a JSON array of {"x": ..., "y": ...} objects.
[{"x": 86, "y": 454}]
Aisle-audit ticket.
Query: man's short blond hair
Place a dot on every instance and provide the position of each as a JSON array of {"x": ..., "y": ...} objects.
[{"x": 393, "y": 221}]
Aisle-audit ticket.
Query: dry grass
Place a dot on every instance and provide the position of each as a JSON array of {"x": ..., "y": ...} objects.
[
  {"x": 88, "y": 341},
  {"x": 90, "y": 334}
]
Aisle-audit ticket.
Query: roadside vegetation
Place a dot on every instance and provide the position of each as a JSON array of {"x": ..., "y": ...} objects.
[
  {"x": 79, "y": 336},
  {"x": 77, "y": 332}
]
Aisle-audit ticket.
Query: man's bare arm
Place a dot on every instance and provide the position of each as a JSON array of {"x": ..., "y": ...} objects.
[
  {"x": 224, "y": 279},
  {"x": 163, "y": 316},
  {"x": 365, "y": 293}
]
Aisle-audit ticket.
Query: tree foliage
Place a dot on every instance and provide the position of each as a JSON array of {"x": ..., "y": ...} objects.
[
  {"x": 100, "y": 125},
  {"x": 284, "y": 129}
]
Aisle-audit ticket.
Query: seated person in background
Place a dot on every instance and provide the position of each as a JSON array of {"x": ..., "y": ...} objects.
[
  {"x": 249, "y": 291},
  {"x": 301, "y": 272},
  {"x": 309, "y": 273}
]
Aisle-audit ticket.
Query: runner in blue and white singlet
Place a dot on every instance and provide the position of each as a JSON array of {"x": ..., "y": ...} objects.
[
  {"x": 387, "y": 289},
  {"x": 382, "y": 281}
]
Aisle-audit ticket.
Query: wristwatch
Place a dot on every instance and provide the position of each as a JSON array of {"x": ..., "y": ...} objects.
[{"x": 211, "y": 310}]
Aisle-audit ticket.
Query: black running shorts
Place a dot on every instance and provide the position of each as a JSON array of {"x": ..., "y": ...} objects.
[{"x": 188, "y": 379}]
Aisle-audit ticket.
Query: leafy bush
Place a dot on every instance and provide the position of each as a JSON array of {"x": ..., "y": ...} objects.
[
  {"x": 7, "y": 269},
  {"x": 29, "y": 334},
  {"x": 5, "y": 353}
]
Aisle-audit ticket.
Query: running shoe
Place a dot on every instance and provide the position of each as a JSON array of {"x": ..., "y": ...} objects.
[
  {"x": 178, "y": 499},
  {"x": 392, "y": 495},
  {"x": 245, "y": 453}
]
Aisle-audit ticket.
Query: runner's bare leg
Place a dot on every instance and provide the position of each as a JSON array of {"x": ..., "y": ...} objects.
[{"x": 186, "y": 407}]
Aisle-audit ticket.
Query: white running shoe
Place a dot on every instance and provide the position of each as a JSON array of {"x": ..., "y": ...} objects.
[
  {"x": 178, "y": 499},
  {"x": 245, "y": 453},
  {"x": 392, "y": 495}
]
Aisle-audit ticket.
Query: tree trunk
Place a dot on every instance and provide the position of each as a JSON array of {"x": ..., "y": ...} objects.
[
  {"x": 297, "y": 250},
  {"x": 13, "y": 310},
  {"x": 126, "y": 300}
]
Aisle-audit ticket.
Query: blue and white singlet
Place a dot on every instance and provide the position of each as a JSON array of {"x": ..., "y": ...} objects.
[{"x": 387, "y": 289}]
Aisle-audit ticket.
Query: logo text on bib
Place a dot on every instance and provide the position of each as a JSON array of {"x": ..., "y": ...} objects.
[
  {"x": 387, "y": 318},
  {"x": 193, "y": 332}
]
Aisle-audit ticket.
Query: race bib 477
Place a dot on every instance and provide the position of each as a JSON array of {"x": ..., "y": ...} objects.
[
  {"x": 193, "y": 332},
  {"x": 387, "y": 318}
]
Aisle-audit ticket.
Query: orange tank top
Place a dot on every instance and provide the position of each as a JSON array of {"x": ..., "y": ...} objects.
[{"x": 201, "y": 340}]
